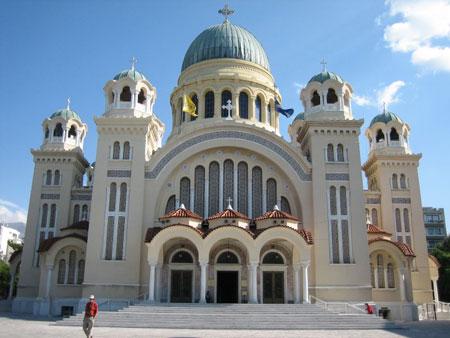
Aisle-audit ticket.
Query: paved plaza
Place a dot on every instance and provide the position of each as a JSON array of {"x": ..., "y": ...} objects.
[{"x": 13, "y": 326}]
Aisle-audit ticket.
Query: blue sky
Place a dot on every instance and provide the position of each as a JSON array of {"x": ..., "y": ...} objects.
[{"x": 396, "y": 51}]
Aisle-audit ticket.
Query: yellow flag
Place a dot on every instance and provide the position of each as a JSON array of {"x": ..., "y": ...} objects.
[{"x": 189, "y": 106}]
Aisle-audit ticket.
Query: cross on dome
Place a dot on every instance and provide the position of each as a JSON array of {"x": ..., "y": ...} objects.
[
  {"x": 324, "y": 65},
  {"x": 229, "y": 203},
  {"x": 226, "y": 11},
  {"x": 133, "y": 63},
  {"x": 68, "y": 103},
  {"x": 182, "y": 206},
  {"x": 275, "y": 207},
  {"x": 228, "y": 107}
]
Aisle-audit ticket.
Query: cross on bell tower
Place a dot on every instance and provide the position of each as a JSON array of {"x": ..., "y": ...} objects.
[
  {"x": 226, "y": 11},
  {"x": 324, "y": 65},
  {"x": 133, "y": 63}
]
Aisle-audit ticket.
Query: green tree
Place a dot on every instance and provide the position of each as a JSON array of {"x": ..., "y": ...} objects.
[
  {"x": 15, "y": 246},
  {"x": 4, "y": 279},
  {"x": 442, "y": 253}
]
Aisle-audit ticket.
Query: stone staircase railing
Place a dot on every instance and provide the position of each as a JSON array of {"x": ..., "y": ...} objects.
[{"x": 338, "y": 307}]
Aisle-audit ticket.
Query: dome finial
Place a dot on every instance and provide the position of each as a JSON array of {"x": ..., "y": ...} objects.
[
  {"x": 384, "y": 107},
  {"x": 68, "y": 103},
  {"x": 133, "y": 63},
  {"x": 226, "y": 11},
  {"x": 324, "y": 65}
]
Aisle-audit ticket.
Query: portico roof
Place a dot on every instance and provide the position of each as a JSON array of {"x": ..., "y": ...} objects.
[
  {"x": 277, "y": 214},
  {"x": 373, "y": 229},
  {"x": 181, "y": 212},
  {"x": 403, "y": 247},
  {"x": 48, "y": 243}
]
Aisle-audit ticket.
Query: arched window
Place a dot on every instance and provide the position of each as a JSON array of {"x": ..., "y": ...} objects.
[
  {"x": 228, "y": 182},
  {"x": 257, "y": 191},
  {"x": 242, "y": 205},
  {"x": 76, "y": 213},
  {"x": 47, "y": 132},
  {"x": 226, "y": 96},
  {"x": 343, "y": 200},
  {"x": 116, "y": 150},
  {"x": 123, "y": 198},
  {"x": 331, "y": 96},
  {"x": 330, "y": 153},
  {"x": 315, "y": 99},
  {"x": 209, "y": 105},
  {"x": 380, "y": 271},
  {"x": 125, "y": 95},
  {"x": 273, "y": 258},
  {"x": 48, "y": 178},
  {"x": 142, "y": 97},
  {"x": 170, "y": 205},
  {"x": 398, "y": 221},
  {"x": 182, "y": 256},
  {"x": 374, "y": 216},
  {"x": 58, "y": 132},
  {"x": 112, "y": 196},
  {"x": 258, "y": 113},
  {"x": 52, "y": 216},
  {"x": 72, "y": 132},
  {"x": 393, "y": 135},
  {"x": 380, "y": 136},
  {"x": 120, "y": 238},
  {"x": 185, "y": 192},
  {"x": 126, "y": 150},
  {"x": 335, "y": 240},
  {"x": 271, "y": 194},
  {"x": 345, "y": 240},
  {"x": 44, "y": 215},
  {"x": 406, "y": 220},
  {"x": 84, "y": 212},
  {"x": 285, "y": 206},
  {"x": 213, "y": 192},
  {"x": 80, "y": 277},
  {"x": 402, "y": 181},
  {"x": 199, "y": 190},
  {"x": 227, "y": 257},
  {"x": 109, "y": 237},
  {"x": 333, "y": 198},
  {"x": 390, "y": 276},
  {"x": 394, "y": 181},
  {"x": 61, "y": 271},
  {"x": 57, "y": 178},
  {"x": 372, "y": 275},
  {"x": 71, "y": 274},
  {"x": 269, "y": 114},
  {"x": 243, "y": 105},
  {"x": 340, "y": 152},
  {"x": 194, "y": 99}
]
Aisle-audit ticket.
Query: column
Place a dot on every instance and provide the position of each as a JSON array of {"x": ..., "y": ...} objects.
[
  {"x": 435, "y": 291},
  {"x": 217, "y": 105},
  {"x": 296, "y": 284},
  {"x": 401, "y": 282},
  {"x": 235, "y": 103},
  {"x": 49, "y": 280},
  {"x": 11, "y": 285},
  {"x": 253, "y": 283},
  {"x": 305, "y": 282},
  {"x": 201, "y": 107},
  {"x": 251, "y": 106},
  {"x": 203, "y": 280},
  {"x": 134, "y": 97},
  {"x": 249, "y": 192},
  {"x": 151, "y": 283}
]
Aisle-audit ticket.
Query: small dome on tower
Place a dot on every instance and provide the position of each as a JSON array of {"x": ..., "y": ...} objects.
[
  {"x": 66, "y": 114},
  {"x": 326, "y": 75},
  {"x": 385, "y": 117},
  {"x": 131, "y": 74}
]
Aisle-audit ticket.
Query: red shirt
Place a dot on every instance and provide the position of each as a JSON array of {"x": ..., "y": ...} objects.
[{"x": 91, "y": 309}]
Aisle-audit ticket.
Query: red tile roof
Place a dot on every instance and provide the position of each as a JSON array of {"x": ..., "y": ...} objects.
[
  {"x": 307, "y": 236},
  {"x": 404, "y": 248},
  {"x": 228, "y": 213},
  {"x": 153, "y": 231},
  {"x": 48, "y": 243},
  {"x": 277, "y": 214},
  {"x": 373, "y": 229},
  {"x": 181, "y": 212},
  {"x": 81, "y": 225}
]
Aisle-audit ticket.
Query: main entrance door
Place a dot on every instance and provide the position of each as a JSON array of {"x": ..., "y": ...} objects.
[
  {"x": 227, "y": 287},
  {"x": 181, "y": 286},
  {"x": 273, "y": 287}
]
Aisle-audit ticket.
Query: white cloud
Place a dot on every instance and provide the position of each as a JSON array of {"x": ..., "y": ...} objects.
[
  {"x": 10, "y": 212},
  {"x": 362, "y": 100},
  {"x": 421, "y": 28},
  {"x": 388, "y": 94},
  {"x": 299, "y": 86}
]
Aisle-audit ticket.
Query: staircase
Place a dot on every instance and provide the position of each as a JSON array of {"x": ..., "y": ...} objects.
[{"x": 232, "y": 316}]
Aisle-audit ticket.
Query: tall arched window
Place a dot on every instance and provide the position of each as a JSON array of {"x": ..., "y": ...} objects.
[
  {"x": 380, "y": 136},
  {"x": 257, "y": 191},
  {"x": 76, "y": 213},
  {"x": 242, "y": 205},
  {"x": 345, "y": 241},
  {"x": 243, "y": 105},
  {"x": 226, "y": 96},
  {"x": 44, "y": 215},
  {"x": 406, "y": 220},
  {"x": 47, "y": 132},
  {"x": 269, "y": 114},
  {"x": 48, "y": 177},
  {"x": 390, "y": 276},
  {"x": 398, "y": 221},
  {"x": 112, "y": 196},
  {"x": 72, "y": 132},
  {"x": 109, "y": 238},
  {"x": 126, "y": 151},
  {"x": 80, "y": 277},
  {"x": 185, "y": 192},
  {"x": 315, "y": 99},
  {"x": 209, "y": 105},
  {"x": 58, "y": 132},
  {"x": 271, "y": 194},
  {"x": 228, "y": 182},
  {"x": 394, "y": 181},
  {"x": 374, "y": 216},
  {"x": 170, "y": 205},
  {"x": 330, "y": 153},
  {"x": 116, "y": 150},
  {"x": 61, "y": 271},
  {"x": 285, "y": 206},
  {"x": 71, "y": 274},
  {"x": 120, "y": 238},
  {"x": 142, "y": 97},
  {"x": 84, "y": 212},
  {"x": 380, "y": 271},
  {"x": 195, "y": 100},
  {"x": 213, "y": 192},
  {"x": 123, "y": 198},
  {"x": 52, "y": 216},
  {"x": 402, "y": 181},
  {"x": 343, "y": 200},
  {"x": 57, "y": 179},
  {"x": 333, "y": 199},
  {"x": 331, "y": 96},
  {"x": 125, "y": 95},
  {"x": 393, "y": 135},
  {"x": 199, "y": 190},
  {"x": 340, "y": 152},
  {"x": 258, "y": 113},
  {"x": 372, "y": 275}
]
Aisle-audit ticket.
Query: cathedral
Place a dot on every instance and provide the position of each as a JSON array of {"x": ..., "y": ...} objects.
[{"x": 226, "y": 210}]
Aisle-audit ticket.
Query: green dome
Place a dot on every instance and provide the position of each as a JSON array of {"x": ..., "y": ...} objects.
[
  {"x": 66, "y": 114},
  {"x": 130, "y": 73},
  {"x": 225, "y": 41},
  {"x": 299, "y": 117},
  {"x": 324, "y": 76},
  {"x": 385, "y": 117}
]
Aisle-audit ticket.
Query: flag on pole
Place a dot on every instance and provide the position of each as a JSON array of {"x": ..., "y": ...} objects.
[
  {"x": 285, "y": 112},
  {"x": 189, "y": 106}
]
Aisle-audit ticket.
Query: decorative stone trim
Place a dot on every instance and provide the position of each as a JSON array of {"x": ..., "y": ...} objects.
[
  {"x": 401, "y": 200},
  {"x": 118, "y": 173},
  {"x": 79, "y": 197},
  {"x": 228, "y": 135},
  {"x": 373, "y": 201},
  {"x": 50, "y": 196},
  {"x": 337, "y": 177}
]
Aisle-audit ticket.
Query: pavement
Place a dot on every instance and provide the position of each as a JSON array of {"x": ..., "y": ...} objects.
[{"x": 23, "y": 326}]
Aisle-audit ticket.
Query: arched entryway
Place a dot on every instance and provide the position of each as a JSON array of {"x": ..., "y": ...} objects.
[
  {"x": 228, "y": 272},
  {"x": 181, "y": 280},
  {"x": 274, "y": 277}
]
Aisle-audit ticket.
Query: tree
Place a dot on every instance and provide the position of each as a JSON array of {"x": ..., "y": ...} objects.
[
  {"x": 4, "y": 279},
  {"x": 15, "y": 246},
  {"x": 442, "y": 253}
]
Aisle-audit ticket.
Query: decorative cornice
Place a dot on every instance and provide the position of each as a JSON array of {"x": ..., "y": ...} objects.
[
  {"x": 373, "y": 201},
  {"x": 337, "y": 177},
  {"x": 401, "y": 200},
  {"x": 118, "y": 173},
  {"x": 50, "y": 196},
  {"x": 81, "y": 197}
]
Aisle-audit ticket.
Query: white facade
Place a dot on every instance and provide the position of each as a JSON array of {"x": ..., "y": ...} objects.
[{"x": 7, "y": 234}]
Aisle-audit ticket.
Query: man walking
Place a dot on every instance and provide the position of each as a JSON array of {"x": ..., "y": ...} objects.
[{"x": 90, "y": 312}]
